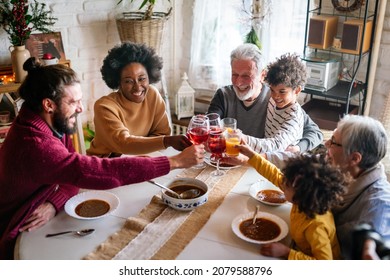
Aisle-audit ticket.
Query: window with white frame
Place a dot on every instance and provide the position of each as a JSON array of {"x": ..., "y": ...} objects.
[{"x": 221, "y": 25}]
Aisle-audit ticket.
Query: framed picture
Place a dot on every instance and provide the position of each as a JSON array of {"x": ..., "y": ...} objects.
[{"x": 39, "y": 44}]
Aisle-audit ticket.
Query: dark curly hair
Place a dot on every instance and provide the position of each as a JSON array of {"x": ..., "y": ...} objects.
[
  {"x": 287, "y": 70},
  {"x": 124, "y": 54},
  {"x": 318, "y": 186}
]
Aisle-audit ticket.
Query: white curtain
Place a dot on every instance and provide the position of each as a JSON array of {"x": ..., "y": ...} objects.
[
  {"x": 285, "y": 30},
  {"x": 216, "y": 32},
  {"x": 221, "y": 25}
]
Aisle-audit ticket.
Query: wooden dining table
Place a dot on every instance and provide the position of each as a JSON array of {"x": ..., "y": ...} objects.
[{"x": 143, "y": 221}]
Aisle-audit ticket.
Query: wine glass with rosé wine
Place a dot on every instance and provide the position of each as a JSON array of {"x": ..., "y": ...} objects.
[
  {"x": 217, "y": 146},
  {"x": 198, "y": 132},
  {"x": 215, "y": 125}
]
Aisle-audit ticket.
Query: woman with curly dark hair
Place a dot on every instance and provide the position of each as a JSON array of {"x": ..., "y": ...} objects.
[
  {"x": 314, "y": 187},
  {"x": 132, "y": 119}
]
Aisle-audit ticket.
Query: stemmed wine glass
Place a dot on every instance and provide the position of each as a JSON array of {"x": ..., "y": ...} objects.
[
  {"x": 215, "y": 126},
  {"x": 217, "y": 145},
  {"x": 214, "y": 120},
  {"x": 198, "y": 132}
]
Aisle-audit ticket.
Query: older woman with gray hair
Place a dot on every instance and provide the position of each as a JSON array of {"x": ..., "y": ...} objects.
[{"x": 357, "y": 146}]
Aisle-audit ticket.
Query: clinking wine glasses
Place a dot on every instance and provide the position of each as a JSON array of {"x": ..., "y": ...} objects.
[
  {"x": 232, "y": 136},
  {"x": 229, "y": 123},
  {"x": 215, "y": 126},
  {"x": 217, "y": 146},
  {"x": 198, "y": 132},
  {"x": 216, "y": 142},
  {"x": 214, "y": 120}
]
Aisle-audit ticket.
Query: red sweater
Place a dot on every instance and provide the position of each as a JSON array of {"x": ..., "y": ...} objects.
[{"x": 36, "y": 166}]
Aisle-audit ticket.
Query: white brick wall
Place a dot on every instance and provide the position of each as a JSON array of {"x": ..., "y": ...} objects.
[{"x": 88, "y": 31}]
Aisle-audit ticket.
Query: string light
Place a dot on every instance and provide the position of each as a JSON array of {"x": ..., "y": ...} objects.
[{"x": 6, "y": 79}]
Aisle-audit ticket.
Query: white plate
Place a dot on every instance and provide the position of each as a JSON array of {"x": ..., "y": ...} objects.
[
  {"x": 4, "y": 124},
  {"x": 108, "y": 197},
  {"x": 279, "y": 221},
  {"x": 263, "y": 185},
  {"x": 214, "y": 164}
]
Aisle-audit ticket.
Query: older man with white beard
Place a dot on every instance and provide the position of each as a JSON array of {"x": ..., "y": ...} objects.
[{"x": 247, "y": 98}]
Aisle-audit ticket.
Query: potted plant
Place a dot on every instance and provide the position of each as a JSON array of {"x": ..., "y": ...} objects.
[
  {"x": 143, "y": 25},
  {"x": 19, "y": 19}
]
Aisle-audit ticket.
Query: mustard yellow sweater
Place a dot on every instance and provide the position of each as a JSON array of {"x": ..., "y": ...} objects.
[
  {"x": 314, "y": 238},
  {"x": 126, "y": 127}
]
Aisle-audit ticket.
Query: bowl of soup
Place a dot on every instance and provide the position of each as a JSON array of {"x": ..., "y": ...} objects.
[
  {"x": 181, "y": 185},
  {"x": 265, "y": 192},
  {"x": 267, "y": 228},
  {"x": 90, "y": 205}
]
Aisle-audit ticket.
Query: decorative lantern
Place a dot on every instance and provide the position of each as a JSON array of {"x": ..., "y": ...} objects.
[{"x": 185, "y": 99}]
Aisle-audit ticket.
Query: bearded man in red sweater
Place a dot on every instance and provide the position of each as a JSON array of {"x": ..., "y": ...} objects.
[{"x": 39, "y": 168}]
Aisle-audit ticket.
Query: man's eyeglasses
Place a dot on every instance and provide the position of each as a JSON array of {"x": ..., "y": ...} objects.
[{"x": 332, "y": 142}]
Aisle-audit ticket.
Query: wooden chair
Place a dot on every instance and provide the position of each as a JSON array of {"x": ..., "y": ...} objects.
[{"x": 78, "y": 138}]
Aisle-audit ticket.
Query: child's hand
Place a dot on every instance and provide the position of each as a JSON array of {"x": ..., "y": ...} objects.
[
  {"x": 238, "y": 160},
  {"x": 293, "y": 149},
  {"x": 245, "y": 149},
  {"x": 277, "y": 250}
]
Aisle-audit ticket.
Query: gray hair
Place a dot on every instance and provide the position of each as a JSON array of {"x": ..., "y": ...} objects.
[
  {"x": 248, "y": 51},
  {"x": 364, "y": 135}
]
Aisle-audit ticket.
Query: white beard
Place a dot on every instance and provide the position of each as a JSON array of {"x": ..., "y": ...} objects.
[{"x": 248, "y": 95}]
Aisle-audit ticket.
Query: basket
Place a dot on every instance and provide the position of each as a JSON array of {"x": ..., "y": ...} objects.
[{"x": 131, "y": 27}]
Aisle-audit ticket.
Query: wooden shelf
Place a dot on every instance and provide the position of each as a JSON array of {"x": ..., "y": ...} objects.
[
  {"x": 340, "y": 91},
  {"x": 10, "y": 87}
]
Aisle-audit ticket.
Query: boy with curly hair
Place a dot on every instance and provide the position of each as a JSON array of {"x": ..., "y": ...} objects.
[
  {"x": 314, "y": 187},
  {"x": 284, "y": 124}
]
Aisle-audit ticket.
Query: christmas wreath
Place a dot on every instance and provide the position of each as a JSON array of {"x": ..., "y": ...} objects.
[{"x": 351, "y": 5}]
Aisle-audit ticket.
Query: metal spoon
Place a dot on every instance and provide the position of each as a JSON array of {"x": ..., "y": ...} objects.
[
  {"x": 255, "y": 215},
  {"x": 82, "y": 232},
  {"x": 191, "y": 193}
]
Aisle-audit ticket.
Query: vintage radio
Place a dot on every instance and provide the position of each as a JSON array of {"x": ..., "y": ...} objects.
[
  {"x": 322, "y": 30},
  {"x": 322, "y": 76},
  {"x": 351, "y": 39}
]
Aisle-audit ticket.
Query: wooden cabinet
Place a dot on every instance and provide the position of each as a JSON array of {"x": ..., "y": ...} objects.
[{"x": 351, "y": 49}]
